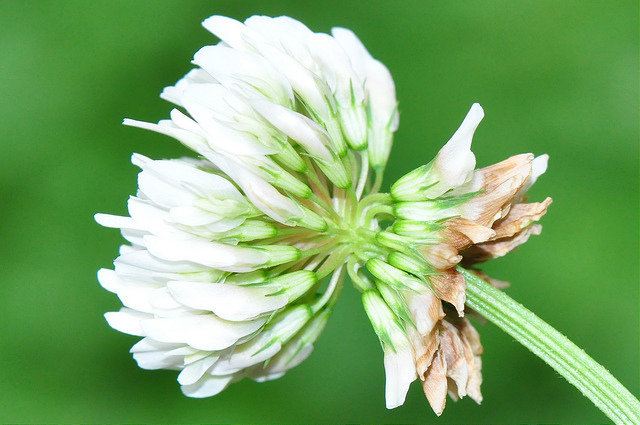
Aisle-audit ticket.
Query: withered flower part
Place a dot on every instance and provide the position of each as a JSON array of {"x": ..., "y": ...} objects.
[{"x": 475, "y": 215}]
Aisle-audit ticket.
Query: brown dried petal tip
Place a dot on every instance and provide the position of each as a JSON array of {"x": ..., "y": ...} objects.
[
  {"x": 456, "y": 366},
  {"x": 462, "y": 233},
  {"x": 441, "y": 256},
  {"x": 435, "y": 383},
  {"x": 519, "y": 217},
  {"x": 500, "y": 247},
  {"x": 451, "y": 287}
]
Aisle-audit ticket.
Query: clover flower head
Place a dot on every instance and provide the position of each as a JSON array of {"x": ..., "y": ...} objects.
[{"x": 236, "y": 257}]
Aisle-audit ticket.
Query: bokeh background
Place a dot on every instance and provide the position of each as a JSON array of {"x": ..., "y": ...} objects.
[{"x": 556, "y": 77}]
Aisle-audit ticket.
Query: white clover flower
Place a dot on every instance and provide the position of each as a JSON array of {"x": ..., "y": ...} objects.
[{"x": 223, "y": 274}]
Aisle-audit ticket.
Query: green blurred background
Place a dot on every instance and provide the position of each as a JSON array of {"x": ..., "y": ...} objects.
[{"x": 559, "y": 77}]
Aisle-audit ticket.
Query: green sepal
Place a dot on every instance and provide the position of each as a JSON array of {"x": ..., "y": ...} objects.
[
  {"x": 394, "y": 241},
  {"x": 392, "y": 276},
  {"x": 290, "y": 158},
  {"x": 286, "y": 181},
  {"x": 284, "y": 325},
  {"x": 250, "y": 230},
  {"x": 410, "y": 187},
  {"x": 379, "y": 315},
  {"x": 396, "y": 303},
  {"x": 245, "y": 279},
  {"x": 279, "y": 254},
  {"x": 416, "y": 229},
  {"x": 410, "y": 262}
]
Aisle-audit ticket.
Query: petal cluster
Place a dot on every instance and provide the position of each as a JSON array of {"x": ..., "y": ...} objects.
[
  {"x": 226, "y": 253},
  {"x": 204, "y": 301}
]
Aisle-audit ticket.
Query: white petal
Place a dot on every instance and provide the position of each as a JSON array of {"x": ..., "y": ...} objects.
[
  {"x": 192, "y": 216},
  {"x": 149, "y": 217},
  {"x": 208, "y": 386},
  {"x": 358, "y": 54},
  {"x": 141, "y": 259},
  {"x": 242, "y": 360},
  {"x": 230, "y": 66},
  {"x": 538, "y": 168},
  {"x": 300, "y": 128},
  {"x": 187, "y": 138},
  {"x": 380, "y": 94},
  {"x": 133, "y": 294},
  {"x": 264, "y": 196},
  {"x": 455, "y": 162},
  {"x": 115, "y": 221},
  {"x": 128, "y": 271},
  {"x": 189, "y": 177},
  {"x": 229, "y": 302},
  {"x": 157, "y": 360},
  {"x": 278, "y": 40},
  {"x": 127, "y": 321},
  {"x": 162, "y": 192},
  {"x": 347, "y": 86},
  {"x": 164, "y": 305},
  {"x": 194, "y": 371},
  {"x": 210, "y": 254},
  {"x": 232, "y": 32},
  {"x": 147, "y": 345},
  {"x": 185, "y": 122},
  {"x": 289, "y": 35},
  {"x": 150, "y": 354},
  {"x": 173, "y": 94},
  {"x": 288, "y": 358},
  {"x": 203, "y": 332},
  {"x": 220, "y": 137},
  {"x": 400, "y": 372}
]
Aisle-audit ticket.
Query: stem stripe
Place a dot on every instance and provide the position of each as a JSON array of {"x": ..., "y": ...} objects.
[{"x": 593, "y": 380}]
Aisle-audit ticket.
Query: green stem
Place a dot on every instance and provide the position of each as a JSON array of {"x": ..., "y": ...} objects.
[{"x": 593, "y": 380}]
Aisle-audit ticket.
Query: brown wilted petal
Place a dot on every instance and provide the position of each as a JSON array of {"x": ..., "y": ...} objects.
[
  {"x": 454, "y": 353},
  {"x": 489, "y": 178},
  {"x": 472, "y": 351},
  {"x": 470, "y": 334},
  {"x": 499, "y": 184},
  {"x": 426, "y": 309},
  {"x": 424, "y": 348},
  {"x": 441, "y": 256},
  {"x": 462, "y": 233},
  {"x": 452, "y": 389},
  {"x": 475, "y": 380},
  {"x": 435, "y": 383},
  {"x": 500, "y": 247},
  {"x": 451, "y": 287},
  {"x": 468, "y": 356},
  {"x": 519, "y": 217},
  {"x": 490, "y": 206}
]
